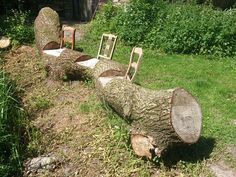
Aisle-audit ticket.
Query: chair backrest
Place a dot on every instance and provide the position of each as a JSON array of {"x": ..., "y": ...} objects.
[
  {"x": 134, "y": 64},
  {"x": 107, "y": 46},
  {"x": 64, "y": 38}
]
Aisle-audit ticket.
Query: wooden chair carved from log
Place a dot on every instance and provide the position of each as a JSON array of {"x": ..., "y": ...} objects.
[
  {"x": 66, "y": 39},
  {"x": 133, "y": 64},
  {"x": 105, "y": 51},
  {"x": 107, "y": 46}
]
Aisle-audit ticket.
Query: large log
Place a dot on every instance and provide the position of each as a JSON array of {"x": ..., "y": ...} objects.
[
  {"x": 159, "y": 118},
  {"x": 65, "y": 66},
  {"x": 47, "y": 36},
  {"x": 47, "y": 29}
]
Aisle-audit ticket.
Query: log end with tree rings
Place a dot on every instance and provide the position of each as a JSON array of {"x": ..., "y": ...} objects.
[{"x": 186, "y": 116}]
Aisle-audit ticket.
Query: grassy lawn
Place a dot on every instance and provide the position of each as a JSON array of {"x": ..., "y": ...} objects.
[{"x": 211, "y": 80}]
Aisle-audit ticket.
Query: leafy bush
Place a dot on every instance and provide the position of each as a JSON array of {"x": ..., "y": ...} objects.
[
  {"x": 10, "y": 130},
  {"x": 106, "y": 20},
  {"x": 136, "y": 21},
  {"x": 174, "y": 28},
  {"x": 193, "y": 29},
  {"x": 17, "y": 26}
]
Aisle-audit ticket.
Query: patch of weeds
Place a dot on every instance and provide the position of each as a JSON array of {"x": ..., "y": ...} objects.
[
  {"x": 35, "y": 145},
  {"x": 14, "y": 130},
  {"x": 91, "y": 105},
  {"x": 202, "y": 84},
  {"x": 85, "y": 107},
  {"x": 41, "y": 103},
  {"x": 119, "y": 127},
  {"x": 66, "y": 134},
  {"x": 89, "y": 83}
]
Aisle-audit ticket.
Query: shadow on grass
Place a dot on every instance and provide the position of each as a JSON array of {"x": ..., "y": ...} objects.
[
  {"x": 189, "y": 153},
  {"x": 79, "y": 49}
]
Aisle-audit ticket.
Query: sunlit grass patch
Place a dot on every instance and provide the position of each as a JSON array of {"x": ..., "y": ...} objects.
[{"x": 211, "y": 81}]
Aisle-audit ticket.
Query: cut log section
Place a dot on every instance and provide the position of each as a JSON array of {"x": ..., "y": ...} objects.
[
  {"x": 66, "y": 65},
  {"x": 162, "y": 118},
  {"x": 47, "y": 29},
  {"x": 5, "y": 42}
]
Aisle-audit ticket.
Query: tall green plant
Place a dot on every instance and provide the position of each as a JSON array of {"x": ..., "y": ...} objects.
[
  {"x": 17, "y": 26},
  {"x": 10, "y": 130},
  {"x": 136, "y": 20}
]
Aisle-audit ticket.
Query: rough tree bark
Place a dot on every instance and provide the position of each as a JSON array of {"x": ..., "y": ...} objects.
[
  {"x": 47, "y": 29},
  {"x": 64, "y": 67},
  {"x": 47, "y": 36},
  {"x": 159, "y": 119}
]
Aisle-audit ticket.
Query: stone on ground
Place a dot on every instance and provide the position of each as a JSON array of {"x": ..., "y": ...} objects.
[{"x": 4, "y": 42}]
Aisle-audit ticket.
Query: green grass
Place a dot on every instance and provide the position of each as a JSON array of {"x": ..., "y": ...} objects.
[
  {"x": 211, "y": 80},
  {"x": 11, "y": 125},
  {"x": 19, "y": 139}
]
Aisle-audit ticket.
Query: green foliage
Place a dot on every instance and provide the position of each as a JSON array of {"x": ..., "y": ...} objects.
[
  {"x": 194, "y": 29},
  {"x": 11, "y": 124},
  {"x": 136, "y": 21},
  {"x": 17, "y": 26},
  {"x": 173, "y": 28},
  {"x": 106, "y": 20}
]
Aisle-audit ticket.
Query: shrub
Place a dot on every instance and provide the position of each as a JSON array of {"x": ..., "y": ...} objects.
[
  {"x": 194, "y": 29},
  {"x": 136, "y": 21},
  {"x": 17, "y": 26},
  {"x": 174, "y": 28},
  {"x": 106, "y": 19}
]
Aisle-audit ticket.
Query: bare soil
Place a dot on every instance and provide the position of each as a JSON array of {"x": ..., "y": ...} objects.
[{"x": 60, "y": 121}]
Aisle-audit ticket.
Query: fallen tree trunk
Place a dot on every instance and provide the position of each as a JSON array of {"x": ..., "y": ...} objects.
[{"x": 159, "y": 118}]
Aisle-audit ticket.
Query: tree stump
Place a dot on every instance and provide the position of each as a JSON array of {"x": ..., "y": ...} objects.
[{"x": 47, "y": 29}]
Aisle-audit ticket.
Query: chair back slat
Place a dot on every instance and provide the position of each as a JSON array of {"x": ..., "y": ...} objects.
[
  {"x": 109, "y": 41},
  {"x": 134, "y": 64},
  {"x": 64, "y": 38}
]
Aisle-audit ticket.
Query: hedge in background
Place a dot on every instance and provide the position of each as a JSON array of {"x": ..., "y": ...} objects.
[
  {"x": 174, "y": 28},
  {"x": 194, "y": 29}
]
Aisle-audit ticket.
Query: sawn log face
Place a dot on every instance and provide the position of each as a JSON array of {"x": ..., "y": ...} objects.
[{"x": 147, "y": 110}]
